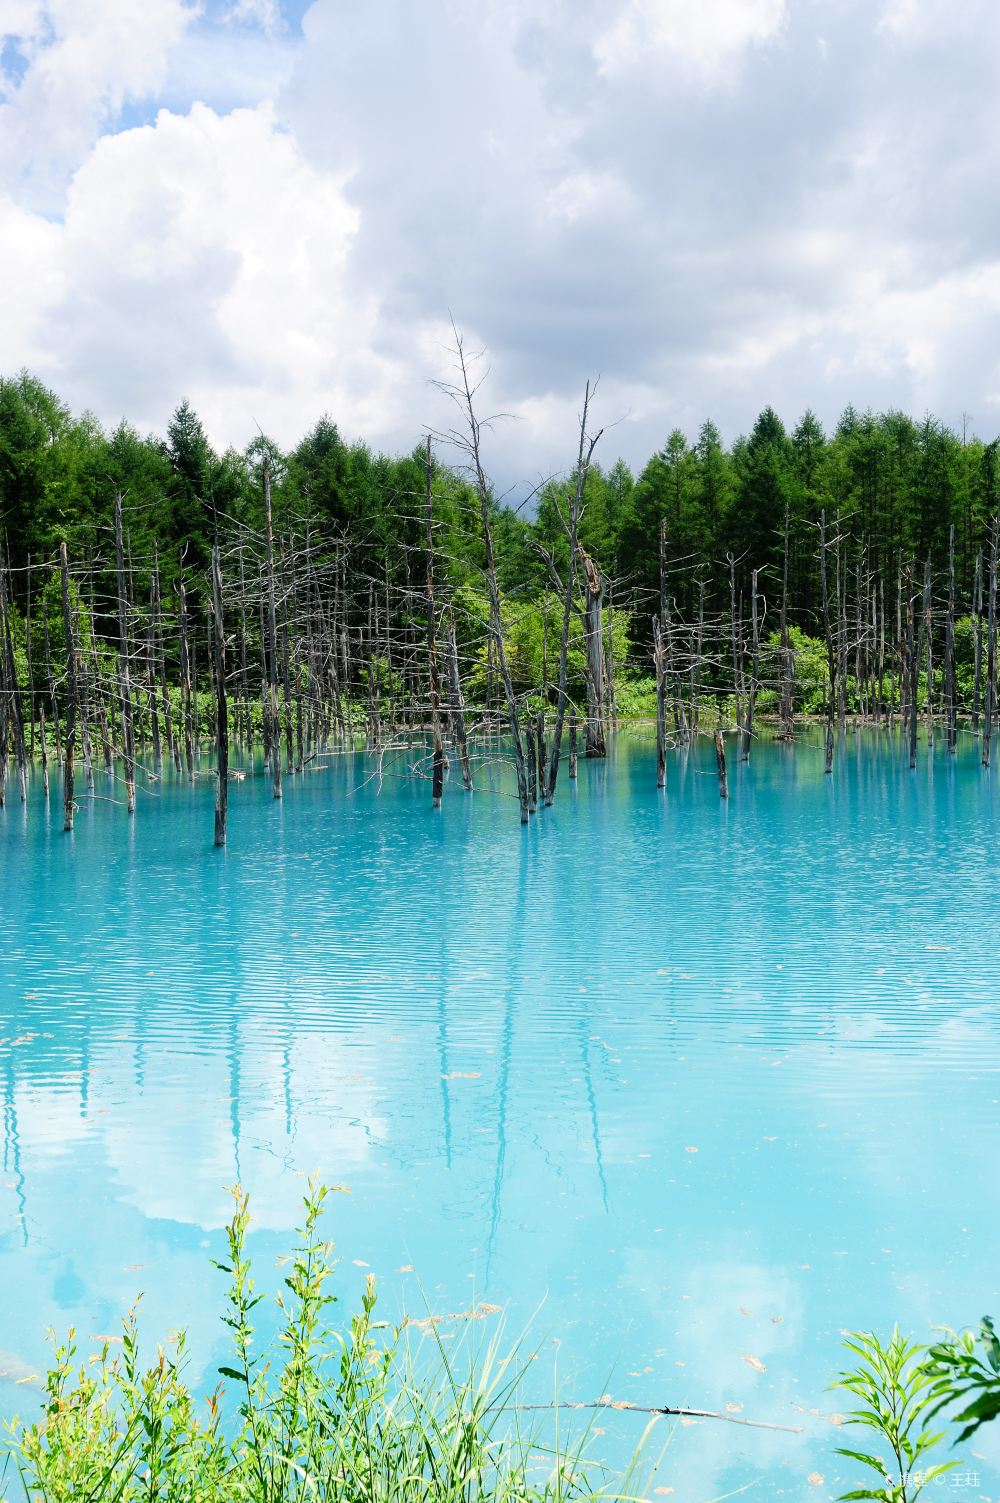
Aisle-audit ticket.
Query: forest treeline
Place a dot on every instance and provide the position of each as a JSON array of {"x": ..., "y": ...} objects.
[
  {"x": 896, "y": 485},
  {"x": 155, "y": 591}
]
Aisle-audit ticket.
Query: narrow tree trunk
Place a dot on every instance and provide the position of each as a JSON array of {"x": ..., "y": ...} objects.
[
  {"x": 572, "y": 744},
  {"x": 831, "y": 657},
  {"x": 927, "y": 627},
  {"x": 532, "y": 769},
  {"x": 754, "y": 667},
  {"x": 540, "y": 749},
  {"x": 185, "y": 663},
  {"x": 437, "y": 745},
  {"x": 720, "y": 758},
  {"x": 14, "y": 689},
  {"x": 272, "y": 640},
  {"x": 68, "y": 803},
  {"x": 950, "y": 669},
  {"x": 659, "y": 663},
  {"x": 222, "y": 709},
  {"x": 977, "y": 643},
  {"x": 610, "y": 658},
  {"x": 44, "y": 748},
  {"x": 492, "y": 582},
  {"x": 51, "y": 677},
  {"x": 585, "y": 451},
  {"x": 124, "y": 678},
  {"x": 456, "y": 707},
  {"x": 913, "y": 664},
  {"x": 787, "y": 713},
  {"x": 991, "y": 649},
  {"x": 595, "y": 743}
]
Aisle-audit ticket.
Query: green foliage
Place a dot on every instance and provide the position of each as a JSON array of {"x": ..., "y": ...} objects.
[
  {"x": 897, "y": 1399},
  {"x": 967, "y": 1372},
  {"x": 348, "y": 1416}
]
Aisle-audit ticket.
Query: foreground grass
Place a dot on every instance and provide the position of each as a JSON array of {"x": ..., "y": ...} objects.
[{"x": 324, "y": 1415}]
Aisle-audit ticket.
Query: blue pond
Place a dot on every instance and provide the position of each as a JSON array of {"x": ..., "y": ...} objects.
[{"x": 688, "y": 1086}]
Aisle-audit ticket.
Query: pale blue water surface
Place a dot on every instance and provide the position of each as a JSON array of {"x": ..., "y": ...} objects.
[{"x": 680, "y": 1082}]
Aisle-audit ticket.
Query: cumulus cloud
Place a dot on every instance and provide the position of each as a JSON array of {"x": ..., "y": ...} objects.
[
  {"x": 706, "y": 34},
  {"x": 203, "y": 255},
  {"x": 714, "y": 206},
  {"x": 263, "y": 13},
  {"x": 83, "y": 61}
]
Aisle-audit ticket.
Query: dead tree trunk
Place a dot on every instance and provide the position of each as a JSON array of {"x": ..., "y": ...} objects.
[
  {"x": 68, "y": 804},
  {"x": 913, "y": 665},
  {"x": 14, "y": 691},
  {"x": 989, "y": 718},
  {"x": 735, "y": 642},
  {"x": 977, "y": 642},
  {"x": 594, "y": 740},
  {"x": 185, "y": 664},
  {"x": 456, "y": 707},
  {"x": 124, "y": 678},
  {"x": 222, "y": 709},
  {"x": 44, "y": 748},
  {"x": 471, "y": 442},
  {"x": 437, "y": 753},
  {"x": 927, "y": 627},
  {"x": 950, "y": 670},
  {"x": 51, "y": 678},
  {"x": 585, "y": 453},
  {"x": 787, "y": 713},
  {"x": 831, "y": 658},
  {"x": 720, "y": 759},
  {"x": 532, "y": 769},
  {"x": 751, "y": 701},
  {"x": 572, "y": 744},
  {"x": 540, "y": 749},
  {"x": 659, "y": 663},
  {"x": 273, "y": 711},
  {"x": 4, "y": 703}
]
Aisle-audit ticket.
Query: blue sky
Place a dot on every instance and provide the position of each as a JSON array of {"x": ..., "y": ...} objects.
[{"x": 273, "y": 210}]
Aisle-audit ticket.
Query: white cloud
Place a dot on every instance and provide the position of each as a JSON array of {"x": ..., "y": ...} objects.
[
  {"x": 808, "y": 233},
  {"x": 202, "y": 256},
  {"x": 263, "y": 13},
  {"x": 85, "y": 60},
  {"x": 705, "y": 34}
]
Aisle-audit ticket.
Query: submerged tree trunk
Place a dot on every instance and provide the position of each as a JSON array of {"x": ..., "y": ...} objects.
[
  {"x": 989, "y": 719},
  {"x": 124, "y": 676},
  {"x": 14, "y": 691},
  {"x": 831, "y": 657},
  {"x": 222, "y": 711},
  {"x": 595, "y": 742},
  {"x": 68, "y": 803},
  {"x": 720, "y": 758},
  {"x": 659, "y": 663},
  {"x": 456, "y": 707},
  {"x": 977, "y": 642},
  {"x": 185, "y": 656},
  {"x": 273, "y": 711},
  {"x": 751, "y": 701},
  {"x": 472, "y": 444},
  {"x": 585, "y": 453},
  {"x": 437, "y": 765},
  {"x": 787, "y": 712},
  {"x": 950, "y": 669}
]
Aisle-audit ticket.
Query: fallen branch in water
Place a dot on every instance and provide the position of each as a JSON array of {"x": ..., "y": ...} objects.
[{"x": 715, "y": 1414}]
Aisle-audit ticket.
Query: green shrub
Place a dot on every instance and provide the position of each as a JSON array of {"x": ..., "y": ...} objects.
[{"x": 346, "y": 1417}]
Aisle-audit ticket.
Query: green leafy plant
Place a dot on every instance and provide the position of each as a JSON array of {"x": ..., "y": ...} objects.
[
  {"x": 895, "y": 1389},
  {"x": 352, "y": 1416},
  {"x": 966, "y": 1370}
]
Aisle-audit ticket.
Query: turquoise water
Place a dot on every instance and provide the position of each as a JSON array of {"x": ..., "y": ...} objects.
[{"x": 679, "y": 1082}]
